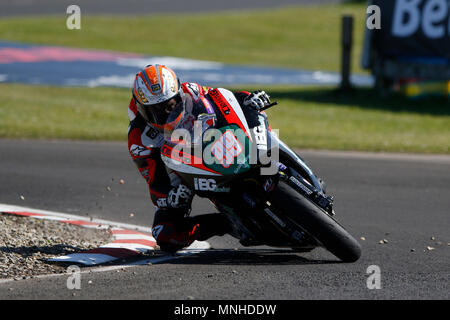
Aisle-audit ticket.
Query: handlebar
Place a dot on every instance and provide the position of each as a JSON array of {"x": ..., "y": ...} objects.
[{"x": 269, "y": 106}]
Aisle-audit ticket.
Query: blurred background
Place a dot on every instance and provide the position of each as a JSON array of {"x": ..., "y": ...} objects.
[{"x": 72, "y": 81}]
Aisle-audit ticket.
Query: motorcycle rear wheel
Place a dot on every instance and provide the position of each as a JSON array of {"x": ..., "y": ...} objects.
[{"x": 316, "y": 222}]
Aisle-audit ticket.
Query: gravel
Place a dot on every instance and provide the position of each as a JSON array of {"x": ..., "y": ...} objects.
[{"x": 26, "y": 243}]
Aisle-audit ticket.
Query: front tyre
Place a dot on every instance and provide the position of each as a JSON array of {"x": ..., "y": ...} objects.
[{"x": 315, "y": 222}]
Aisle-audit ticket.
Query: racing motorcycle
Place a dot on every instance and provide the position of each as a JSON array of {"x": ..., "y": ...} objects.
[{"x": 230, "y": 155}]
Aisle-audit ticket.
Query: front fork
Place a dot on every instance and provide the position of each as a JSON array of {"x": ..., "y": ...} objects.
[{"x": 310, "y": 186}]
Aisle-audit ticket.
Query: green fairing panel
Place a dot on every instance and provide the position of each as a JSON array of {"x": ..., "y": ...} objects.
[{"x": 228, "y": 154}]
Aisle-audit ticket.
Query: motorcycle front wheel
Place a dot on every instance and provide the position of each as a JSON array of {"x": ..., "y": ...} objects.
[{"x": 315, "y": 221}]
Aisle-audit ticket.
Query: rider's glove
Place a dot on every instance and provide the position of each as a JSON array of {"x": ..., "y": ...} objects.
[
  {"x": 180, "y": 197},
  {"x": 257, "y": 100}
]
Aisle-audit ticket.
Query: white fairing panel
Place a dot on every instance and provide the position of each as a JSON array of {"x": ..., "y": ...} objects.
[
  {"x": 185, "y": 168},
  {"x": 227, "y": 94}
]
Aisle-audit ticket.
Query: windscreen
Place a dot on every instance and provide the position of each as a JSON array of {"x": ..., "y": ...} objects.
[{"x": 188, "y": 122}]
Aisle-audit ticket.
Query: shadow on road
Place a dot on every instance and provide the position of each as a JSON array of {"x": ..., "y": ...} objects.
[{"x": 248, "y": 257}]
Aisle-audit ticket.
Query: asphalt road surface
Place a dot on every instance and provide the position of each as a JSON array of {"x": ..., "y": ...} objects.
[
  {"x": 403, "y": 199},
  {"x": 120, "y": 7}
]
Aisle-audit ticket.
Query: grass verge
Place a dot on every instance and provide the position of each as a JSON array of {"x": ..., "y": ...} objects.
[
  {"x": 312, "y": 117},
  {"x": 296, "y": 37}
]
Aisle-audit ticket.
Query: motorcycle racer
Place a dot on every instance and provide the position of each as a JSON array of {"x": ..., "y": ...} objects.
[{"x": 156, "y": 92}]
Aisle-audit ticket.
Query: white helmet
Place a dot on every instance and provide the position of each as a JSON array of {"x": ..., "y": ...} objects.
[{"x": 157, "y": 91}]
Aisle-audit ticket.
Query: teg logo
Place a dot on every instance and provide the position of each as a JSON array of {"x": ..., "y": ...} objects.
[
  {"x": 432, "y": 19},
  {"x": 74, "y": 20},
  {"x": 204, "y": 184}
]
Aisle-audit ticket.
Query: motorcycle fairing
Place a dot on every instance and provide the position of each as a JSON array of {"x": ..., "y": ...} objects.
[{"x": 230, "y": 109}]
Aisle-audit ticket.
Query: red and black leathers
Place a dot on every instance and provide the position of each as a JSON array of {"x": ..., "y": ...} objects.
[{"x": 172, "y": 229}]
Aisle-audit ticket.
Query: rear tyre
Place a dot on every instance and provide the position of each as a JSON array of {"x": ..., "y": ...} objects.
[{"x": 315, "y": 222}]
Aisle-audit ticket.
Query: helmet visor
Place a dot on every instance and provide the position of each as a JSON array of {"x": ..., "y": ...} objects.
[{"x": 159, "y": 113}]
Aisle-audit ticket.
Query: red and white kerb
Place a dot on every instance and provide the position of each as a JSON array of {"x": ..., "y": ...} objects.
[{"x": 125, "y": 244}]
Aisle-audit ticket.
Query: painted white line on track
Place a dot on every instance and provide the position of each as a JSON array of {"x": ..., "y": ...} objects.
[
  {"x": 57, "y": 215},
  {"x": 409, "y": 157},
  {"x": 197, "y": 247}
]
